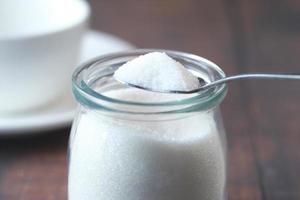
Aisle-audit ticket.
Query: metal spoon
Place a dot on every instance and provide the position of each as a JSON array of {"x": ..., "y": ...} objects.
[{"x": 206, "y": 85}]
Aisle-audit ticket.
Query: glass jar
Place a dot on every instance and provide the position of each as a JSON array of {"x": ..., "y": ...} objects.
[{"x": 125, "y": 145}]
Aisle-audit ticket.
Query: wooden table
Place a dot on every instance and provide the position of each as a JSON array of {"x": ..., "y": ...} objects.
[{"x": 262, "y": 118}]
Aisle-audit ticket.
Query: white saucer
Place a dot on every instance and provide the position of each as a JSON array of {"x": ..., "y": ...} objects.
[{"x": 60, "y": 113}]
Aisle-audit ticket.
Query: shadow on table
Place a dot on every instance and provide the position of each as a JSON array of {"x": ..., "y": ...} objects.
[{"x": 47, "y": 139}]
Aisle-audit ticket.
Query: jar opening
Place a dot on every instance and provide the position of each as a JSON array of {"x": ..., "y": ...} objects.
[{"x": 93, "y": 81}]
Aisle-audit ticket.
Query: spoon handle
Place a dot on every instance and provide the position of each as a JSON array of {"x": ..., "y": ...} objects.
[{"x": 281, "y": 76}]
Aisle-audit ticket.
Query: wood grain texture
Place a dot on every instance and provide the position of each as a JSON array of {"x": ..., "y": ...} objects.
[
  {"x": 262, "y": 121},
  {"x": 270, "y": 33},
  {"x": 34, "y": 168}
]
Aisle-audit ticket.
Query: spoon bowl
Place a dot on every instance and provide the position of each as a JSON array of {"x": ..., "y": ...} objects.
[{"x": 206, "y": 85}]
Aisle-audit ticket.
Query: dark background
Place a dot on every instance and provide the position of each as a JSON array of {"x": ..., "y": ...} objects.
[{"x": 262, "y": 118}]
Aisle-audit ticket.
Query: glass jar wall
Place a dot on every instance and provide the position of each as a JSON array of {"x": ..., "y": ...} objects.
[{"x": 131, "y": 144}]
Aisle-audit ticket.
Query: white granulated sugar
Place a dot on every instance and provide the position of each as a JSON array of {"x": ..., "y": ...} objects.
[
  {"x": 157, "y": 71},
  {"x": 119, "y": 159}
]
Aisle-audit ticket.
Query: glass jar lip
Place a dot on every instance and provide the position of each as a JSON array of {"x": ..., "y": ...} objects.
[{"x": 207, "y": 99}]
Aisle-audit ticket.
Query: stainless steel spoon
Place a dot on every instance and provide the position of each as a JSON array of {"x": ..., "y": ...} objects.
[{"x": 206, "y": 85}]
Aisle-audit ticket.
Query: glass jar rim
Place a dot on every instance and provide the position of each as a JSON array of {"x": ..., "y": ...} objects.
[{"x": 88, "y": 96}]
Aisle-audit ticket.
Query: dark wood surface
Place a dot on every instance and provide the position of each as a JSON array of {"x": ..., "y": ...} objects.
[{"x": 262, "y": 119}]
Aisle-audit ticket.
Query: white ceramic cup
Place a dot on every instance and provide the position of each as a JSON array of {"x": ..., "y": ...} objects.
[{"x": 39, "y": 46}]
